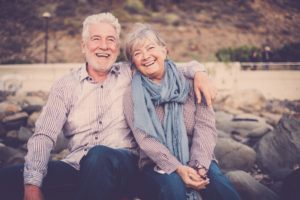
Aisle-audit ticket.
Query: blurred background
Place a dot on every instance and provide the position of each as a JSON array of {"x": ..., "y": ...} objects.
[{"x": 205, "y": 30}]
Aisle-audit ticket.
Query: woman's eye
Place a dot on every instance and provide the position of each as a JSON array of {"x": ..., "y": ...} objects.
[{"x": 137, "y": 53}]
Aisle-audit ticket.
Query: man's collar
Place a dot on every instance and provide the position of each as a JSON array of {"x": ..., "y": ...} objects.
[{"x": 83, "y": 74}]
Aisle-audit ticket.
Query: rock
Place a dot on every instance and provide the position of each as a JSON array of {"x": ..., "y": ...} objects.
[
  {"x": 10, "y": 156},
  {"x": 233, "y": 155},
  {"x": 61, "y": 143},
  {"x": 32, "y": 119},
  {"x": 7, "y": 108},
  {"x": 13, "y": 134},
  {"x": 32, "y": 108},
  {"x": 246, "y": 100},
  {"x": 15, "y": 121},
  {"x": 291, "y": 186},
  {"x": 249, "y": 188},
  {"x": 34, "y": 101},
  {"x": 279, "y": 150},
  {"x": 24, "y": 134},
  {"x": 2, "y": 130},
  {"x": 242, "y": 124},
  {"x": 61, "y": 155}
]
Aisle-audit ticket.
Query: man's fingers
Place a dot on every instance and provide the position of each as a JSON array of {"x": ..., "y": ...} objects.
[
  {"x": 198, "y": 94},
  {"x": 207, "y": 98}
]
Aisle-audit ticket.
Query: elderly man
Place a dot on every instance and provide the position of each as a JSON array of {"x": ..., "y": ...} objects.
[{"x": 87, "y": 105}]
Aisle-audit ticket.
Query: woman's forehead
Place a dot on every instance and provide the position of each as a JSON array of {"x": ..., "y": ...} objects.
[{"x": 142, "y": 42}]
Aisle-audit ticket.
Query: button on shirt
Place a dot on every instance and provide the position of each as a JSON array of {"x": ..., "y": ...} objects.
[{"x": 88, "y": 113}]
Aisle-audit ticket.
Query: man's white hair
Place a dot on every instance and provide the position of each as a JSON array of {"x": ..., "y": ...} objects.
[{"x": 100, "y": 18}]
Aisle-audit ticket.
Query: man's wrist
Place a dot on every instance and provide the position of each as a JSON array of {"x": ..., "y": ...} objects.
[{"x": 196, "y": 165}]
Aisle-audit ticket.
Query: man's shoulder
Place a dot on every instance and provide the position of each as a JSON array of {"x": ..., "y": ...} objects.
[{"x": 68, "y": 80}]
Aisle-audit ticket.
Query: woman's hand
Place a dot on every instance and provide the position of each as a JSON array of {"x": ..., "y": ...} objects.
[
  {"x": 191, "y": 178},
  {"x": 202, "y": 83}
]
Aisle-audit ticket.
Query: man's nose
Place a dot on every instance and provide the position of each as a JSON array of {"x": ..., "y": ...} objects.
[{"x": 103, "y": 45}]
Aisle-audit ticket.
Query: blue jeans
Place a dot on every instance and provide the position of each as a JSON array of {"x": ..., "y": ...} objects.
[
  {"x": 105, "y": 173},
  {"x": 59, "y": 184},
  {"x": 108, "y": 174},
  {"x": 165, "y": 187}
]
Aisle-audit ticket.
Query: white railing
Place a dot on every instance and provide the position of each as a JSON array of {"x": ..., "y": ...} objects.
[{"x": 270, "y": 65}]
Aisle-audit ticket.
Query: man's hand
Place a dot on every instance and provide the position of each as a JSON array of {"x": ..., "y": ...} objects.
[
  {"x": 191, "y": 178},
  {"x": 202, "y": 83},
  {"x": 32, "y": 192}
]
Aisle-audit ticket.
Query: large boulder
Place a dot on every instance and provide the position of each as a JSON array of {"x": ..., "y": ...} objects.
[
  {"x": 233, "y": 155},
  {"x": 249, "y": 188},
  {"x": 279, "y": 151}
]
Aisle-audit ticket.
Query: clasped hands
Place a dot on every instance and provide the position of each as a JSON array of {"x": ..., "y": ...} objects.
[{"x": 195, "y": 179}]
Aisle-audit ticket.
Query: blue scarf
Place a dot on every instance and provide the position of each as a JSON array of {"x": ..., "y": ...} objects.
[{"x": 172, "y": 92}]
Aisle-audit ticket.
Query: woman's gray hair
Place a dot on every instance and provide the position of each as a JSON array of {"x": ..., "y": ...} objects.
[
  {"x": 140, "y": 34},
  {"x": 100, "y": 18}
]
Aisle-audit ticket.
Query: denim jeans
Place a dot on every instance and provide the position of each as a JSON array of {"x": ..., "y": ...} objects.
[
  {"x": 59, "y": 184},
  {"x": 165, "y": 187},
  {"x": 108, "y": 174},
  {"x": 105, "y": 174}
]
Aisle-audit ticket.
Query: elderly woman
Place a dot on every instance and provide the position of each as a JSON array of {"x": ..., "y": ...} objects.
[{"x": 176, "y": 135}]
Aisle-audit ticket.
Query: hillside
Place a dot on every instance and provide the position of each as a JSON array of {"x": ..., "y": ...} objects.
[{"x": 192, "y": 29}]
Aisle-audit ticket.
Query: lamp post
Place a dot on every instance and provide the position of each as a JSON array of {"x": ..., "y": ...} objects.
[{"x": 46, "y": 16}]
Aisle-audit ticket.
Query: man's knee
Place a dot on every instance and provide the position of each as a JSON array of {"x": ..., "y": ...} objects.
[{"x": 11, "y": 182}]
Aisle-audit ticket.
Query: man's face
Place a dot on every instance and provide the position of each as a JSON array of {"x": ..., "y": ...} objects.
[{"x": 101, "y": 48}]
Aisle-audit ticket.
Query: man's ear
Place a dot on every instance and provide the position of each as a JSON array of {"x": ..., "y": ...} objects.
[{"x": 83, "y": 45}]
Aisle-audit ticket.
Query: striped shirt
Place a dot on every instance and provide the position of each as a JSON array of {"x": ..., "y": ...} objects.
[
  {"x": 199, "y": 120},
  {"x": 88, "y": 113}
]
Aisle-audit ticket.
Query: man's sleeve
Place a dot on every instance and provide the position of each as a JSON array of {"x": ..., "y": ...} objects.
[
  {"x": 47, "y": 128},
  {"x": 189, "y": 69}
]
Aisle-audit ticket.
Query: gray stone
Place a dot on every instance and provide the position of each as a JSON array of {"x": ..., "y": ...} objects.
[
  {"x": 243, "y": 124},
  {"x": 15, "y": 121},
  {"x": 61, "y": 143},
  {"x": 10, "y": 156},
  {"x": 24, "y": 134},
  {"x": 32, "y": 119},
  {"x": 233, "y": 155},
  {"x": 249, "y": 188},
  {"x": 279, "y": 151},
  {"x": 7, "y": 108}
]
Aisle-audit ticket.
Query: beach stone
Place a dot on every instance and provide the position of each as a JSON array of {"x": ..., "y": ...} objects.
[
  {"x": 247, "y": 100},
  {"x": 246, "y": 125},
  {"x": 61, "y": 143},
  {"x": 2, "y": 130},
  {"x": 15, "y": 121},
  {"x": 34, "y": 101},
  {"x": 24, "y": 134},
  {"x": 249, "y": 188},
  {"x": 32, "y": 119},
  {"x": 13, "y": 134},
  {"x": 7, "y": 108},
  {"x": 233, "y": 155},
  {"x": 29, "y": 109},
  {"x": 279, "y": 151},
  {"x": 10, "y": 156},
  {"x": 290, "y": 189}
]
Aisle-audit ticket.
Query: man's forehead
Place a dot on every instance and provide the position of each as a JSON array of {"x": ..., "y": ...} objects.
[{"x": 102, "y": 29}]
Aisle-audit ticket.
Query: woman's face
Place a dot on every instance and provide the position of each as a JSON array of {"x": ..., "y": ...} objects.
[{"x": 149, "y": 57}]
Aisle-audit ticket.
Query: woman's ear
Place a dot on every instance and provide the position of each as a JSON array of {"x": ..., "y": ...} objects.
[{"x": 166, "y": 52}]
